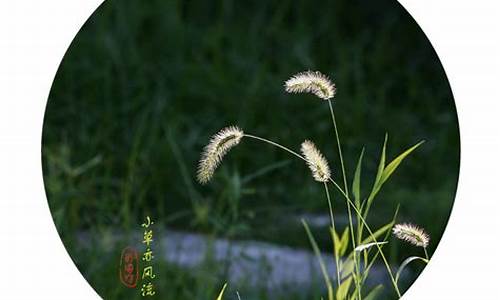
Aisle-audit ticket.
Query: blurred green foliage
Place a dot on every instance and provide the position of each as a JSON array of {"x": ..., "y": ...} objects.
[{"x": 144, "y": 85}]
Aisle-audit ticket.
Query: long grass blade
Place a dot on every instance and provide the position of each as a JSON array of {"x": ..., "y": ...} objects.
[
  {"x": 384, "y": 173},
  {"x": 372, "y": 295},
  {"x": 340, "y": 244},
  {"x": 222, "y": 292},
  {"x": 322, "y": 265},
  {"x": 393, "y": 165},
  {"x": 344, "y": 289},
  {"x": 381, "y": 164},
  {"x": 356, "y": 183},
  {"x": 368, "y": 246}
]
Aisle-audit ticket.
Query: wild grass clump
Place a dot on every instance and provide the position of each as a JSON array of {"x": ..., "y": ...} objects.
[{"x": 352, "y": 268}]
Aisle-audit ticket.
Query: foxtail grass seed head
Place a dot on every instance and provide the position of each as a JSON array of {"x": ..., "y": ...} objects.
[
  {"x": 315, "y": 161},
  {"x": 214, "y": 152},
  {"x": 311, "y": 82},
  {"x": 411, "y": 234}
]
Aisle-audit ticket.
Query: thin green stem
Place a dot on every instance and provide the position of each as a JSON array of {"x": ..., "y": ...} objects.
[
  {"x": 275, "y": 144},
  {"x": 332, "y": 220},
  {"x": 344, "y": 177},
  {"x": 408, "y": 261},
  {"x": 372, "y": 236},
  {"x": 426, "y": 254}
]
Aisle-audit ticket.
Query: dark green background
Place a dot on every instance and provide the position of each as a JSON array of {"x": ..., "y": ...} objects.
[{"x": 145, "y": 83}]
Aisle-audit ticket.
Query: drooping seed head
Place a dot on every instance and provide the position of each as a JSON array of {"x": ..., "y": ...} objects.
[
  {"x": 316, "y": 162},
  {"x": 411, "y": 234},
  {"x": 311, "y": 82},
  {"x": 214, "y": 152}
]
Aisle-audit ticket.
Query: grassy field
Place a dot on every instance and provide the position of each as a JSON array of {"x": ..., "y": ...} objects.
[{"x": 145, "y": 84}]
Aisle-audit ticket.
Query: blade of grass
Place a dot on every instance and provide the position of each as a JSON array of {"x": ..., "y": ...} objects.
[
  {"x": 344, "y": 241},
  {"x": 364, "y": 247},
  {"x": 380, "y": 170},
  {"x": 324, "y": 271},
  {"x": 381, "y": 164},
  {"x": 372, "y": 295},
  {"x": 344, "y": 289},
  {"x": 222, "y": 292},
  {"x": 393, "y": 165},
  {"x": 356, "y": 183},
  {"x": 383, "y": 175}
]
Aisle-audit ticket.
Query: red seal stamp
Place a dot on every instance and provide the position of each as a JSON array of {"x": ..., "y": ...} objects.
[{"x": 129, "y": 267}]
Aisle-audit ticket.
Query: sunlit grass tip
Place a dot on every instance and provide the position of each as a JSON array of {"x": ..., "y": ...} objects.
[
  {"x": 363, "y": 247},
  {"x": 316, "y": 162},
  {"x": 311, "y": 82},
  {"x": 214, "y": 152},
  {"x": 411, "y": 234}
]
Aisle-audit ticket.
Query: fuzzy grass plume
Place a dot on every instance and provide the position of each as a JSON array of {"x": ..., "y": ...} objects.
[
  {"x": 311, "y": 82},
  {"x": 411, "y": 234},
  {"x": 315, "y": 161},
  {"x": 214, "y": 152}
]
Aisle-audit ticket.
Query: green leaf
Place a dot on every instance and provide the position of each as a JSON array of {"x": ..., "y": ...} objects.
[
  {"x": 347, "y": 268},
  {"x": 381, "y": 164},
  {"x": 344, "y": 241},
  {"x": 320, "y": 260},
  {"x": 356, "y": 183},
  {"x": 344, "y": 288},
  {"x": 384, "y": 173},
  {"x": 340, "y": 244},
  {"x": 363, "y": 247},
  {"x": 406, "y": 262},
  {"x": 339, "y": 248},
  {"x": 380, "y": 170},
  {"x": 372, "y": 295},
  {"x": 222, "y": 292},
  {"x": 336, "y": 242},
  {"x": 392, "y": 166}
]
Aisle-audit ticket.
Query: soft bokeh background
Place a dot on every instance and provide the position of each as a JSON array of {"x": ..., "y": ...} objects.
[{"x": 145, "y": 84}]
